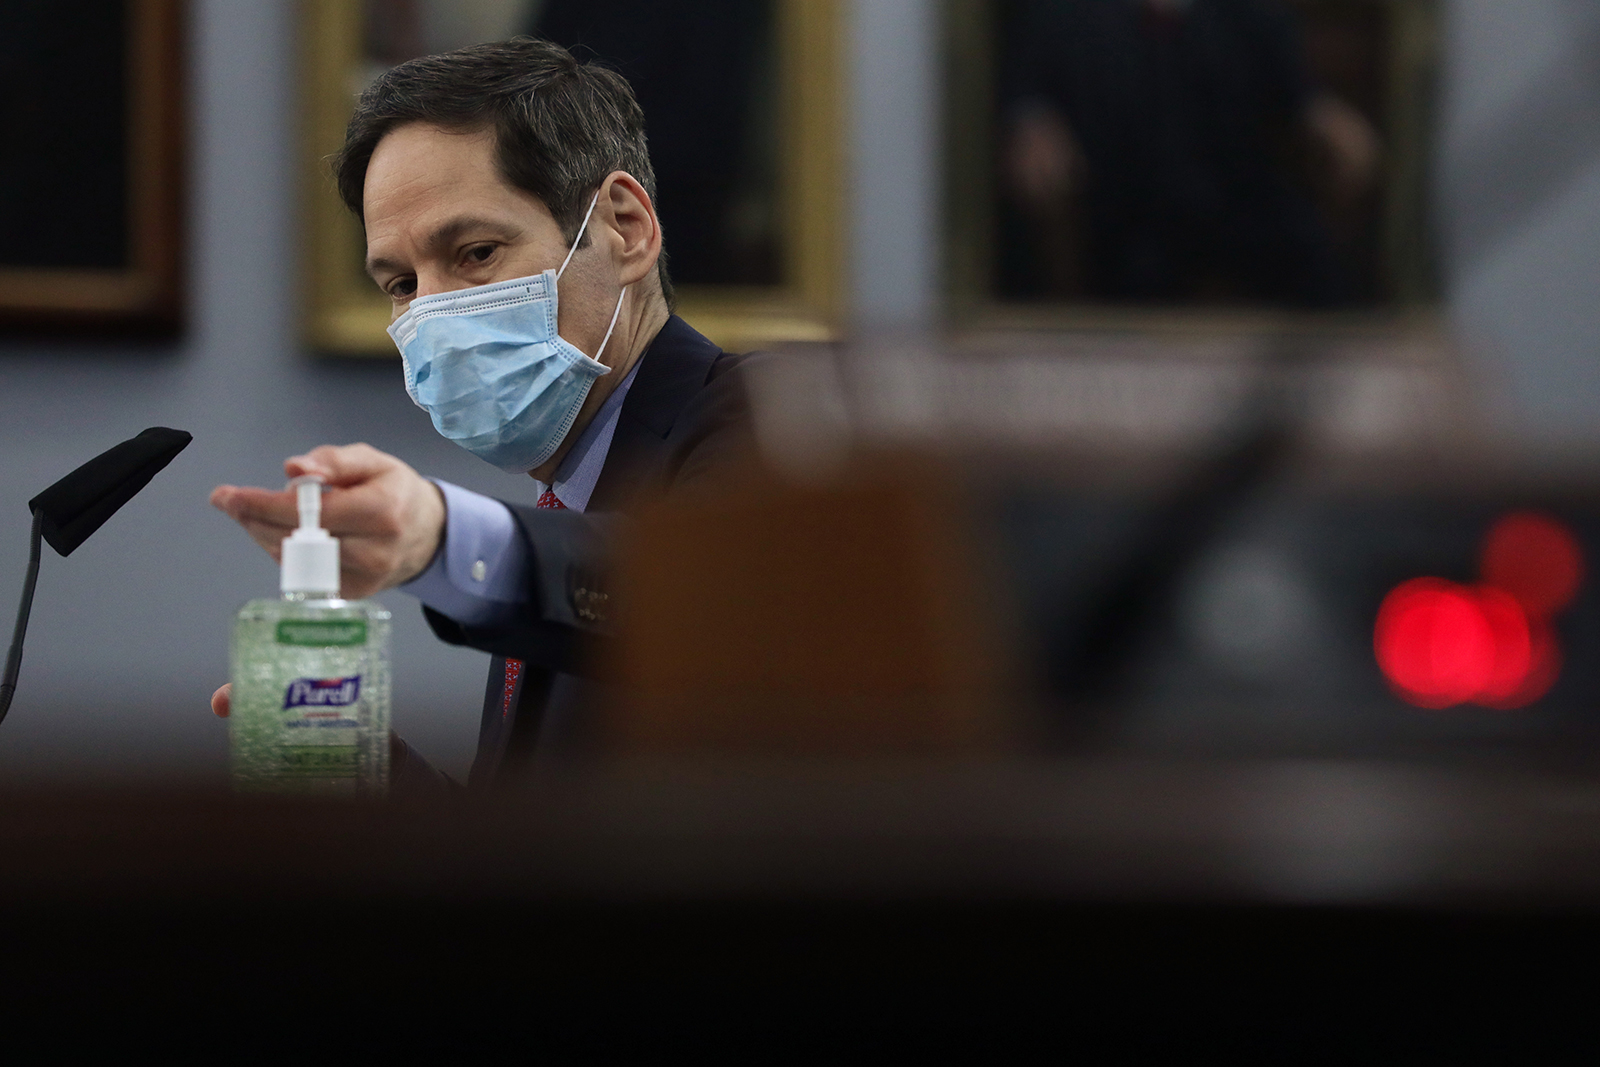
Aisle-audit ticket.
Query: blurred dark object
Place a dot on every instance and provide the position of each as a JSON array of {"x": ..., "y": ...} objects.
[
  {"x": 704, "y": 73},
  {"x": 1193, "y": 151},
  {"x": 1196, "y": 548},
  {"x": 818, "y": 907},
  {"x": 1263, "y": 642},
  {"x": 91, "y": 177},
  {"x": 1096, "y": 644},
  {"x": 802, "y": 620}
]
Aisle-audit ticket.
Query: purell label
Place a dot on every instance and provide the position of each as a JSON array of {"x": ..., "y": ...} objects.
[{"x": 322, "y": 692}]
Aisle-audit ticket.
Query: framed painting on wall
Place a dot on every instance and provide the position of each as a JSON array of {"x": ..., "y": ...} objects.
[
  {"x": 747, "y": 151},
  {"x": 91, "y": 168},
  {"x": 1243, "y": 164}
]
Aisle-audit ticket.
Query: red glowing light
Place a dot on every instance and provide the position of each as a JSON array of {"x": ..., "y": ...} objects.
[
  {"x": 1512, "y": 658},
  {"x": 1544, "y": 664},
  {"x": 1534, "y": 558},
  {"x": 1434, "y": 643},
  {"x": 1440, "y": 643}
]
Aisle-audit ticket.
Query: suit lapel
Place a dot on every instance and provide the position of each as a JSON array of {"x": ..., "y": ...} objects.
[{"x": 671, "y": 372}]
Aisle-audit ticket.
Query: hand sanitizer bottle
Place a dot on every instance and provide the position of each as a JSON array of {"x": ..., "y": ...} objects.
[{"x": 310, "y": 707}]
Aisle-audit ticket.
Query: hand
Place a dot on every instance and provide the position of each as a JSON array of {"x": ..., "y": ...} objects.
[{"x": 387, "y": 517}]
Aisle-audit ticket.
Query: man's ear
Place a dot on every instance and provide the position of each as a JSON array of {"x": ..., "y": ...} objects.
[{"x": 633, "y": 217}]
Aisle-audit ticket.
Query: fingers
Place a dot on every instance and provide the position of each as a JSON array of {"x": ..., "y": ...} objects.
[
  {"x": 341, "y": 465},
  {"x": 260, "y": 512},
  {"x": 354, "y": 504},
  {"x": 368, "y": 489},
  {"x": 374, "y": 509},
  {"x": 269, "y": 537},
  {"x": 357, "y": 509},
  {"x": 250, "y": 504},
  {"x": 222, "y": 701},
  {"x": 387, "y": 516},
  {"x": 390, "y": 532}
]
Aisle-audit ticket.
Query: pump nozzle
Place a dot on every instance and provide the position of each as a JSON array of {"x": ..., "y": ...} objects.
[
  {"x": 308, "y": 497},
  {"x": 310, "y": 555}
]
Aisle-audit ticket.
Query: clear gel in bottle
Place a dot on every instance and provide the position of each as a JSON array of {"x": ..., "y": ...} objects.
[{"x": 310, "y": 705}]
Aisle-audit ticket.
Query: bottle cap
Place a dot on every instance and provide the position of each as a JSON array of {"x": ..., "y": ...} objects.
[{"x": 310, "y": 555}]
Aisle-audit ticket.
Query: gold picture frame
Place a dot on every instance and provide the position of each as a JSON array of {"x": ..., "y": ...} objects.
[
  {"x": 346, "y": 315},
  {"x": 978, "y": 313},
  {"x": 143, "y": 295}
]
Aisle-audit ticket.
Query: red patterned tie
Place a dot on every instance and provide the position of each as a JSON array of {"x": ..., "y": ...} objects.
[{"x": 547, "y": 499}]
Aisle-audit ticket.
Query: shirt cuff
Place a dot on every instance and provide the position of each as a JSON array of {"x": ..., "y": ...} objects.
[{"x": 478, "y": 575}]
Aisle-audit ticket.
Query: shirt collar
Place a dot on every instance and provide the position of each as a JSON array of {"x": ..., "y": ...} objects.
[{"x": 574, "y": 481}]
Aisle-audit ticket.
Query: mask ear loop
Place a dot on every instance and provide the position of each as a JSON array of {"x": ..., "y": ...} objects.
[
  {"x": 617, "y": 312},
  {"x": 578, "y": 239},
  {"x": 613, "y": 325}
]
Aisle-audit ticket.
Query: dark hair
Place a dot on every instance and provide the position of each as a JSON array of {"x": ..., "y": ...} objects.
[{"x": 560, "y": 125}]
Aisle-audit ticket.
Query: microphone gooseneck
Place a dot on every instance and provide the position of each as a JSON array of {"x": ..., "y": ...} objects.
[
  {"x": 75, "y": 507},
  {"x": 8, "y": 681}
]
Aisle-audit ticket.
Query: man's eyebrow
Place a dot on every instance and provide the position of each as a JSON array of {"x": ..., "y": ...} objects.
[
  {"x": 446, "y": 234},
  {"x": 379, "y": 264}
]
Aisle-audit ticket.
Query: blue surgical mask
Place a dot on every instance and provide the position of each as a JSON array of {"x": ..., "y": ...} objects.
[{"x": 488, "y": 366}]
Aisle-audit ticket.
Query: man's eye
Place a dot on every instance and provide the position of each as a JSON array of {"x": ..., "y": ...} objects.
[
  {"x": 401, "y": 288},
  {"x": 480, "y": 253}
]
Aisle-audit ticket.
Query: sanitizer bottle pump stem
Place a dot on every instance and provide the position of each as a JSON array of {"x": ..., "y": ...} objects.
[{"x": 310, "y": 707}]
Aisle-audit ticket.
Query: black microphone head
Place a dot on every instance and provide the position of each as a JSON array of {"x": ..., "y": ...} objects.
[{"x": 80, "y": 503}]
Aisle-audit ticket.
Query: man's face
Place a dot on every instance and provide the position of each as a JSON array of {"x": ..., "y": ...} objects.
[{"x": 440, "y": 217}]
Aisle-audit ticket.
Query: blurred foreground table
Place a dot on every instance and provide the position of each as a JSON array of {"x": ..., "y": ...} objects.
[{"x": 813, "y": 903}]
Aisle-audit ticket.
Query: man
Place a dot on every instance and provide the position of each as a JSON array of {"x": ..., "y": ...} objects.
[{"x": 507, "y": 197}]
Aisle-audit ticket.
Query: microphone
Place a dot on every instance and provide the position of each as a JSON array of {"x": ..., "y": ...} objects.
[{"x": 79, "y": 504}]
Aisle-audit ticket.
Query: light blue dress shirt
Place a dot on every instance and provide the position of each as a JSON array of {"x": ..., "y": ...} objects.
[{"x": 479, "y": 574}]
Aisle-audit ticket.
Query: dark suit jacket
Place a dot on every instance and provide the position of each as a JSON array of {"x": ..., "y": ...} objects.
[{"x": 685, "y": 421}]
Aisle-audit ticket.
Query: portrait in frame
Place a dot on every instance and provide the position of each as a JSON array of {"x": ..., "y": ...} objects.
[
  {"x": 749, "y": 164},
  {"x": 91, "y": 197},
  {"x": 1233, "y": 165}
]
